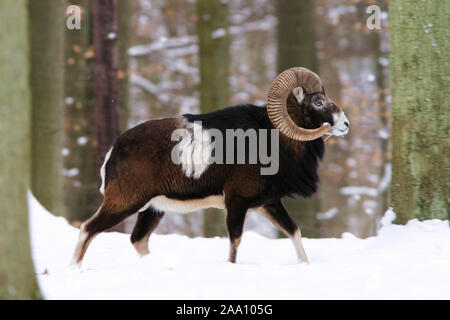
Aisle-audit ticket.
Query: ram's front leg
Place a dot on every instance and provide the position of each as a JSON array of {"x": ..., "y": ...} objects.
[
  {"x": 276, "y": 213},
  {"x": 236, "y": 211}
]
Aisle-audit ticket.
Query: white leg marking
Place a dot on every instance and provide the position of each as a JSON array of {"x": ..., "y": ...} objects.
[
  {"x": 141, "y": 246},
  {"x": 81, "y": 247},
  {"x": 296, "y": 238},
  {"x": 297, "y": 241},
  {"x": 76, "y": 262}
]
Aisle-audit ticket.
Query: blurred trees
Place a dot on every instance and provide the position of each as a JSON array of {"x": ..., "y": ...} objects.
[
  {"x": 84, "y": 155},
  {"x": 47, "y": 50},
  {"x": 106, "y": 64},
  {"x": 125, "y": 31},
  {"x": 106, "y": 82},
  {"x": 214, "y": 68},
  {"x": 296, "y": 48},
  {"x": 420, "y": 66},
  {"x": 17, "y": 279},
  {"x": 296, "y": 34},
  {"x": 81, "y": 180}
]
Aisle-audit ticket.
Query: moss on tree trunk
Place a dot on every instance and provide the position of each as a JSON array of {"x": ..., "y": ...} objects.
[
  {"x": 47, "y": 27},
  {"x": 420, "y": 69},
  {"x": 17, "y": 279}
]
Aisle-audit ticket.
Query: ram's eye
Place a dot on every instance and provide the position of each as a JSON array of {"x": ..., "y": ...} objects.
[{"x": 318, "y": 103}]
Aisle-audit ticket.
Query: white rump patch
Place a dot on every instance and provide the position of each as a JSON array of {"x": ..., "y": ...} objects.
[
  {"x": 194, "y": 150},
  {"x": 103, "y": 170},
  {"x": 162, "y": 203}
]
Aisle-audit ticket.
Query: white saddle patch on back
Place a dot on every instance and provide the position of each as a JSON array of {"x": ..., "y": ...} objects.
[{"x": 194, "y": 149}]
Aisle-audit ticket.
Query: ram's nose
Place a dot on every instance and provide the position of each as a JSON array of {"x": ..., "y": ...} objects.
[{"x": 341, "y": 125}]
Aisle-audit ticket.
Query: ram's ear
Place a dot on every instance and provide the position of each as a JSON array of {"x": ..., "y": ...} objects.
[{"x": 299, "y": 94}]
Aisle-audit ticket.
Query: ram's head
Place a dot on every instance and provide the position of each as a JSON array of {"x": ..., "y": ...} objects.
[{"x": 309, "y": 92}]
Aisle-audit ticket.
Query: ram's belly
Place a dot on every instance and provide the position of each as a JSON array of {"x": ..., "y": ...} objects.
[{"x": 164, "y": 203}]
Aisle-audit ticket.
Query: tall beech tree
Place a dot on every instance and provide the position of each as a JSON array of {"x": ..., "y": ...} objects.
[
  {"x": 47, "y": 27},
  {"x": 420, "y": 69},
  {"x": 17, "y": 279}
]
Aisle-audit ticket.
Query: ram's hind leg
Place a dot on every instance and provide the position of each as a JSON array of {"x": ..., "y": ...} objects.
[
  {"x": 146, "y": 223},
  {"x": 276, "y": 213},
  {"x": 103, "y": 219},
  {"x": 116, "y": 206},
  {"x": 236, "y": 212}
]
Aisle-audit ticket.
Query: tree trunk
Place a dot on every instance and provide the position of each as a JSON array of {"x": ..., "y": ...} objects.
[
  {"x": 296, "y": 48},
  {"x": 125, "y": 33},
  {"x": 383, "y": 87},
  {"x": 47, "y": 27},
  {"x": 17, "y": 279},
  {"x": 104, "y": 14},
  {"x": 420, "y": 64},
  {"x": 296, "y": 34},
  {"x": 81, "y": 196},
  {"x": 214, "y": 45},
  {"x": 106, "y": 83}
]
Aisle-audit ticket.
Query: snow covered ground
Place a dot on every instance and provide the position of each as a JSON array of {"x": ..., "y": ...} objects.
[{"x": 402, "y": 262}]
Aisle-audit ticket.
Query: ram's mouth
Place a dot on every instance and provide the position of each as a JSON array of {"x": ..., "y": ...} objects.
[{"x": 339, "y": 132}]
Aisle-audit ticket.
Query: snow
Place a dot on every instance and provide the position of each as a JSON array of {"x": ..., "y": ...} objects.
[
  {"x": 329, "y": 214},
  {"x": 65, "y": 152},
  {"x": 162, "y": 43},
  {"x": 402, "y": 262},
  {"x": 355, "y": 190},
  {"x": 82, "y": 141},
  {"x": 70, "y": 172},
  {"x": 219, "y": 33},
  {"x": 369, "y": 191},
  {"x": 69, "y": 100},
  {"x": 111, "y": 36},
  {"x": 188, "y": 44}
]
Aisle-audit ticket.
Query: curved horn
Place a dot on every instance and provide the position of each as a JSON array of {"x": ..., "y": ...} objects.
[{"x": 276, "y": 102}]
